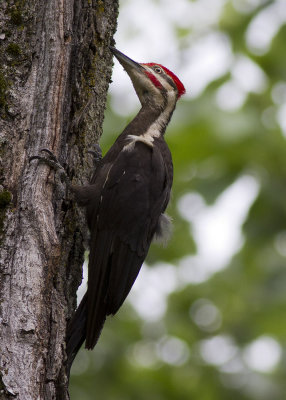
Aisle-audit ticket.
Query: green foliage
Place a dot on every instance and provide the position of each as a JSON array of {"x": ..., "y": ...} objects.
[{"x": 211, "y": 148}]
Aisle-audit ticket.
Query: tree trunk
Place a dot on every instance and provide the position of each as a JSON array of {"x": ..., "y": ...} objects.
[{"x": 55, "y": 67}]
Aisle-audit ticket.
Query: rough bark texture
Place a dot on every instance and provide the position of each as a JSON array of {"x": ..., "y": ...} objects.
[{"x": 55, "y": 67}]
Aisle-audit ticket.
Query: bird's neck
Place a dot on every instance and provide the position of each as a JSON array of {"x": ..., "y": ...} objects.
[{"x": 151, "y": 121}]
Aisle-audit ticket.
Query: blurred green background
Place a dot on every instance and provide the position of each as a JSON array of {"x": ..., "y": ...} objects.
[{"x": 206, "y": 318}]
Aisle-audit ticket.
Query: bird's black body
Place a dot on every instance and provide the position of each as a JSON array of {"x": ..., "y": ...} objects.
[
  {"x": 128, "y": 193},
  {"x": 125, "y": 202}
]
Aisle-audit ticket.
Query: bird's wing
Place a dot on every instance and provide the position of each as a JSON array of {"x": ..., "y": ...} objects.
[{"x": 133, "y": 196}]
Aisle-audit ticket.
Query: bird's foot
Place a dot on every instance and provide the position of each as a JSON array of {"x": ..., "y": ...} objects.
[
  {"x": 51, "y": 160},
  {"x": 96, "y": 154}
]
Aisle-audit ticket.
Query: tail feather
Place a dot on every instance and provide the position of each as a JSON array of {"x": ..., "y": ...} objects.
[
  {"x": 95, "y": 325},
  {"x": 76, "y": 333}
]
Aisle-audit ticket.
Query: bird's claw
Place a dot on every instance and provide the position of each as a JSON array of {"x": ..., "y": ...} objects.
[
  {"x": 51, "y": 155},
  {"x": 96, "y": 154},
  {"x": 52, "y": 161}
]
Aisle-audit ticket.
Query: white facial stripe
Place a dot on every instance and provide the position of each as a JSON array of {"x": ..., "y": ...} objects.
[
  {"x": 155, "y": 129},
  {"x": 160, "y": 78}
]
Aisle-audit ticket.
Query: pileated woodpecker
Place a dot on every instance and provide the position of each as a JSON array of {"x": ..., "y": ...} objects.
[{"x": 125, "y": 201}]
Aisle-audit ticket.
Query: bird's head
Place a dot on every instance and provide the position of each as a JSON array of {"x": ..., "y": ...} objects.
[{"x": 154, "y": 84}]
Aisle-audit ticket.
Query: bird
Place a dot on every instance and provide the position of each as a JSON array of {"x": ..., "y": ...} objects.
[{"x": 125, "y": 202}]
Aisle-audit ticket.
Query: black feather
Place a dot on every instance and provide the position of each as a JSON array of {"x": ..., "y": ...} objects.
[{"x": 124, "y": 203}]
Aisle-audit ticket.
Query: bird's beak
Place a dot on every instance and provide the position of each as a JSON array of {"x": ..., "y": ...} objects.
[{"x": 126, "y": 62}]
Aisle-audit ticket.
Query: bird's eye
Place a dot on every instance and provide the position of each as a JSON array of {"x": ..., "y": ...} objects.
[{"x": 158, "y": 69}]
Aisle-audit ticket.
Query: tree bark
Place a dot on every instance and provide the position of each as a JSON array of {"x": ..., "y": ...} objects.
[{"x": 55, "y": 67}]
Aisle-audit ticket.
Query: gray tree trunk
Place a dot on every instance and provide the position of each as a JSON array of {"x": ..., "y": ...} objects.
[{"x": 55, "y": 67}]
